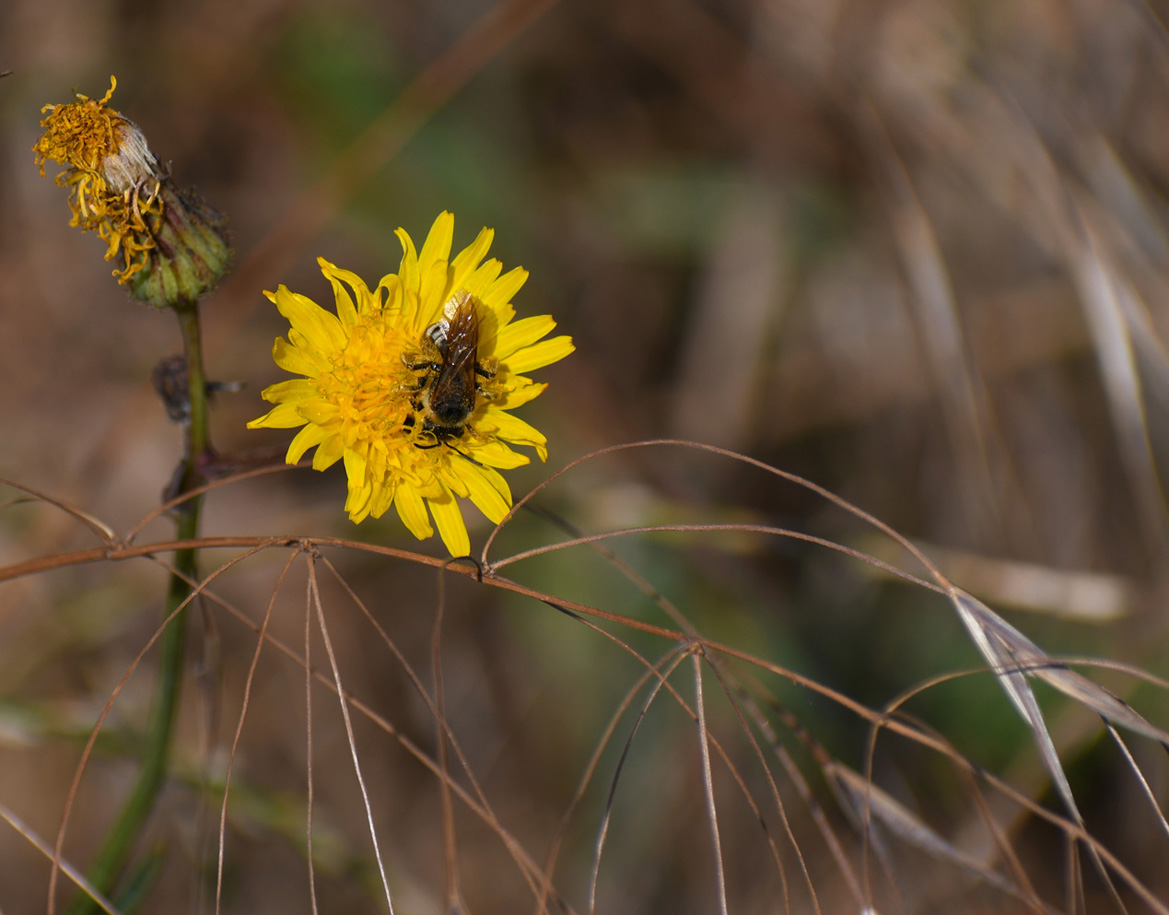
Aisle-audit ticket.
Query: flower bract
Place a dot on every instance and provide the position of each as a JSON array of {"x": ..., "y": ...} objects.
[{"x": 412, "y": 384}]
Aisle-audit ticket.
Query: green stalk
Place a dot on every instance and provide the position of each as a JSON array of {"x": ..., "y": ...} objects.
[{"x": 112, "y": 857}]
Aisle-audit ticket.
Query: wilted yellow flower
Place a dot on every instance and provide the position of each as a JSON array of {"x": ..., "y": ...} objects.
[
  {"x": 411, "y": 384},
  {"x": 172, "y": 245},
  {"x": 112, "y": 176}
]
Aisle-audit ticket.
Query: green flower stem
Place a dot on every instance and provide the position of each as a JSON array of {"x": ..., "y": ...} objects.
[
  {"x": 112, "y": 857},
  {"x": 198, "y": 440}
]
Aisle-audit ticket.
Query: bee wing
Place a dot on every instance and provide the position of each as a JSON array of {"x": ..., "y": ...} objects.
[
  {"x": 452, "y": 395},
  {"x": 462, "y": 337}
]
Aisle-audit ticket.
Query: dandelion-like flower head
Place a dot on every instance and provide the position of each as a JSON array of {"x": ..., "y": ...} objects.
[
  {"x": 173, "y": 247},
  {"x": 370, "y": 370},
  {"x": 112, "y": 176}
]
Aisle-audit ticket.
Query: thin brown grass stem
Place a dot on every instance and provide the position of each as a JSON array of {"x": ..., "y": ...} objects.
[
  {"x": 819, "y": 754},
  {"x": 1002, "y": 843},
  {"x": 598, "y": 547},
  {"x": 196, "y": 590},
  {"x": 124, "y": 552},
  {"x": 1021, "y": 888},
  {"x": 827, "y": 494},
  {"x": 482, "y": 807},
  {"x": 101, "y": 530},
  {"x": 587, "y": 777},
  {"x": 239, "y": 729},
  {"x": 719, "y": 528},
  {"x": 207, "y": 674},
  {"x": 1074, "y": 890},
  {"x": 318, "y": 606},
  {"x": 1146, "y": 788},
  {"x": 681, "y": 651},
  {"x": 167, "y": 507},
  {"x": 708, "y": 783},
  {"x": 680, "y": 620},
  {"x": 1103, "y": 860},
  {"x": 66, "y": 868},
  {"x": 450, "y": 875},
  {"x": 476, "y": 804},
  {"x": 602, "y": 833},
  {"x": 780, "y": 808},
  {"x": 310, "y": 795}
]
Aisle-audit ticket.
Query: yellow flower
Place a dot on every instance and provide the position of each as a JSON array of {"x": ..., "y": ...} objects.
[
  {"x": 172, "y": 245},
  {"x": 112, "y": 176},
  {"x": 382, "y": 378}
]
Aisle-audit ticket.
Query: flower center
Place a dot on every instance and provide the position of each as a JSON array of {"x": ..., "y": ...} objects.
[{"x": 369, "y": 384}]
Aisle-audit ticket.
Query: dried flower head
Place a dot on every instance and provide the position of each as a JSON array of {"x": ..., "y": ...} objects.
[
  {"x": 411, "y": 384},
  {"x": 171, "y": 245}
]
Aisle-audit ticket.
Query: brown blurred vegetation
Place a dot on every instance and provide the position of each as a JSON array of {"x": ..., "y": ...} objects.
[{"x": 914, "y": 250}]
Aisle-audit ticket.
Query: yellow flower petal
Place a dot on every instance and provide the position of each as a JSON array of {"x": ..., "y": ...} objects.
[
  {"x": 497, "y": 454},
  {"x": 408, "y": 269},
  {"x": 383, "y": 498},
  {"x": 515, "y": 430},
  {"x": 412, "y": 511},
  {"x": 519, "y": 334},
  {"x": 319, "y": 411},
  {"x": 544, "y": 353},
  {"x": 488, "y": 490},
  {"x": 392, "y": 303},
  {"x": 283, "y": 416},
  {"x": 520, "y": 396},
  {"x": 451, "y": 474},
  {"x": 449, "y": 521},
  {"x": 357, "y": 502},
  {"x": 319, "y": 328},
  {"x": 437, "y": 247},
  {"x": 504, "y": 288},
  {"x": 346, "y": 308},
  {"x": 432, "y": 296},
  {"x": 297, "y": 360},
  {"x": 291, "y": 391},
  {"x": 329, "y": 452},
  {"x": 469, "y": 258},
  {"x": 355, "y": 469},
  {"x": 480, "y": 281},
  {"x": 306, "y": 438}
]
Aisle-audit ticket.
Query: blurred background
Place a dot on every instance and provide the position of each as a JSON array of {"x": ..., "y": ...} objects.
[{"x": 913, "y": 250}]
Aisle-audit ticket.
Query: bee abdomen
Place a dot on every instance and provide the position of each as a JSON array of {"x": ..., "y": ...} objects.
[
  {"x": 450, "y": 413},
  {"x": 437, "y": 333}
]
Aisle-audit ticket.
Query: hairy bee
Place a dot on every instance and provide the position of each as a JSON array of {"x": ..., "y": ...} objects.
[{"x": 450, "y": 371}]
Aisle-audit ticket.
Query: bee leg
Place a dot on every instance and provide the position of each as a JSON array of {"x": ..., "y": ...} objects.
[
  {"x": 460, "y": 454},
  {"x": 427, "y": 370},
  {"x": 483, "y": 372}
]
